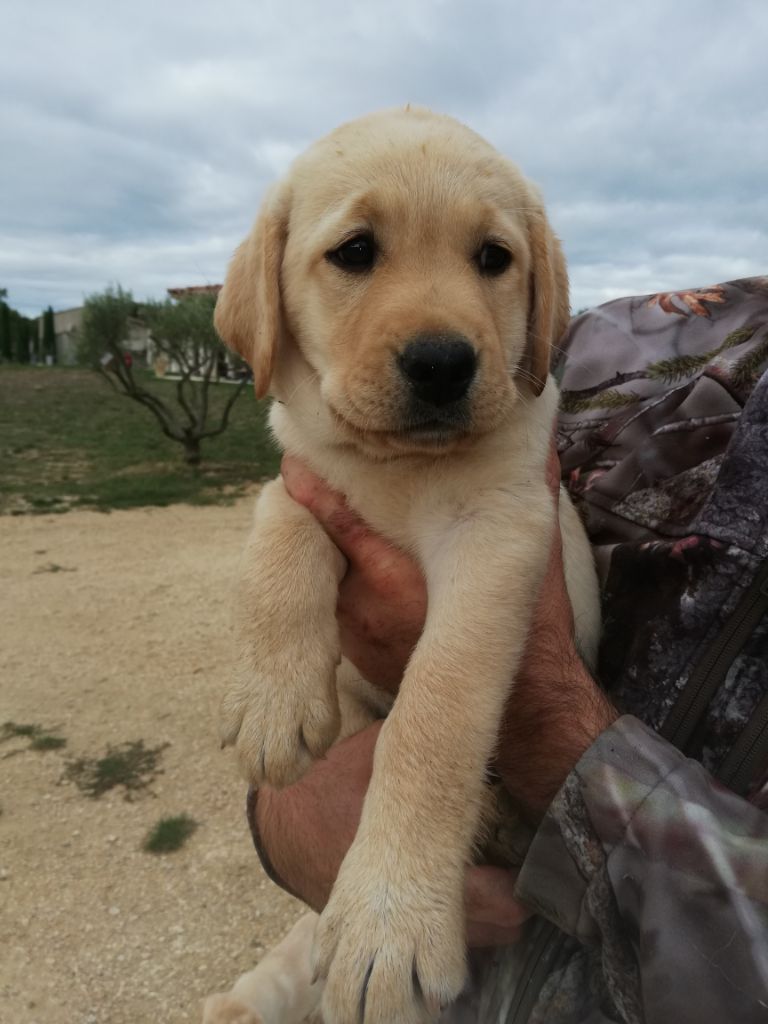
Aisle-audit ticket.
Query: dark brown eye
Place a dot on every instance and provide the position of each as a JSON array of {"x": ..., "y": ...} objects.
[
  {"x": 356, "y": 255},
  {"x": 493, "y": 259}
]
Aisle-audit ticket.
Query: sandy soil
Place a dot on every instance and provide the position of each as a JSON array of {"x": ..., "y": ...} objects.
[{"x": 133, "y": 644}]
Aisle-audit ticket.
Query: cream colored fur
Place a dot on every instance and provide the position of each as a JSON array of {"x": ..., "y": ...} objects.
[
  {"x": 279, "y": 991},
  {"x": 473, "y": 508}
]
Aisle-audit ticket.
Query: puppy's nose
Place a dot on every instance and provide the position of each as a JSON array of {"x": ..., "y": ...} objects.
[{"x": 439, "y": 368}]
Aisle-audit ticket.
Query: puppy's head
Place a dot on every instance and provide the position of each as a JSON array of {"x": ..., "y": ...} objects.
[{"x": 413, "y": 272}]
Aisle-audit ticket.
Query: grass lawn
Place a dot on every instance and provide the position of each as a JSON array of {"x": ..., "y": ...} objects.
[{"x": 68, "y": 441}]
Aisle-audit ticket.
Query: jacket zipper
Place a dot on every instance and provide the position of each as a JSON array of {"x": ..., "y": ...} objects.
[
  {"x": 749, "y": 754},
  {"x": 540, "y": 962},
  {"x": 712, "y": 668}
]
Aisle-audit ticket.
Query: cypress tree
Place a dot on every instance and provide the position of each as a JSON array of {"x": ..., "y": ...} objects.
[
  {"x": 20, "y": 330},
  {"x": 35, "y": 343},
  {"x": 6, "y": 345},
  {"x": 49, "y": 334}
]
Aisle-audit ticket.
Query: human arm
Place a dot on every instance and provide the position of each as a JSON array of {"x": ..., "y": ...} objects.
[
  {"x": 557, "y": 709},
  {"x": 638, "y": 852},
  {"x": 381, "y": 611},
  {"x": 303, "y": 833}
]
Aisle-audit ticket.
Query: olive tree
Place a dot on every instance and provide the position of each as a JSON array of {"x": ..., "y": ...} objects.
[{"x": 183, "y": 344}]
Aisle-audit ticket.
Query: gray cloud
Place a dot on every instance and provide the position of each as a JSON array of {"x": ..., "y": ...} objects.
[{"x": 138, "y": 138}]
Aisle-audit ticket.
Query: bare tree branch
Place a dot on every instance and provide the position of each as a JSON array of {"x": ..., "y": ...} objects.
[
  {"x": 183, "y": 333},
  {"x": 227, "y": 409}
]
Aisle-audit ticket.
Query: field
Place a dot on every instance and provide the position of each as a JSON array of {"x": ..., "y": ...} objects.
[
  {"x": 67, "y": 440},
  {"x": 116, "y": 647}
]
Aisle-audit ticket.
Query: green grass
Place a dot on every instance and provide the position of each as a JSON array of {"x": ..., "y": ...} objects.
[
  {"x": 39, "y": 737},
  {"x": 68, "y": 441},
  {"x": 130, "y": 765},
  {"x": 169, "y": 834},
  {"x": 53, "y": 567}
]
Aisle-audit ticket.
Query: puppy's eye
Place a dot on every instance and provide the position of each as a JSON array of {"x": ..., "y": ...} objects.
[
  {"x": 357, "y": 254},
  {"x": 493, "y": 259}
]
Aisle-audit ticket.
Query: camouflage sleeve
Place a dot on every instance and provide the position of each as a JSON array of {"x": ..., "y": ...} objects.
[{"x": 645, "y": 858}]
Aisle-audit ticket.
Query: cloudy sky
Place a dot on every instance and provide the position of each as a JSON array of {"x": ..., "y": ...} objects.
[{"x": 138, "y": 138}]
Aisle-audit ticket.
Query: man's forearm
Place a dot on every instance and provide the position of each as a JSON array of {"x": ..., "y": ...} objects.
[
  {"x": 316, "y": 818},
  {"x": 550, "y": 721},
  {"x": 302, "y": 834}
]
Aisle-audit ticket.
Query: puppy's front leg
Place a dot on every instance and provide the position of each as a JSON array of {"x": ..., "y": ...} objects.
[
  {"x": 283, "y": 709},
  {"x": 391, "y": 940}
]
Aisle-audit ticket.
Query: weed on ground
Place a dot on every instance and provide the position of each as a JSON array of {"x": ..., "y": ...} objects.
[
  {"x": 130, "y": 765},
  {"x": 169, "y": 834},
  {"x": 39, "y": 737}
]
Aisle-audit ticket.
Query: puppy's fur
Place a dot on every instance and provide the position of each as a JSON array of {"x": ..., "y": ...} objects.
[
  {"x": 279, "y": 991},
  {"x": 458, "y": 484}
]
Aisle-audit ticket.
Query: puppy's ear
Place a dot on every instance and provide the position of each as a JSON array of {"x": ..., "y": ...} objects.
[
  {"x": 548, "y": 305},
  {"x": 249, "y": 313}
]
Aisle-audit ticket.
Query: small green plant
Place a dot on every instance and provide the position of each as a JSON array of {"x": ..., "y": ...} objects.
[
  {"x": 39, "y": 737},
  {"x": 13, "y": 729},
  {"x": 47, "y": 741},
  {"x": 169, "y": 834},
  {"x": 130, "y": 765}
]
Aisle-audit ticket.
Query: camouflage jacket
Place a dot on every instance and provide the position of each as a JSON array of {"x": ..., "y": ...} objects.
[{"x": 650, "y": 869}]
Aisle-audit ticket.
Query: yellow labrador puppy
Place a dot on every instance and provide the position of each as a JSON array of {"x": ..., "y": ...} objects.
[
  {"x": 280, "y": 990},
  {"x": 398, "y": 296}
]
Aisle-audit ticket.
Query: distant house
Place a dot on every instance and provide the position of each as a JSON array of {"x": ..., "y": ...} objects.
[
  {"x": 165, "y": 366},
  {"x": 67, "y": 324},
  {"x": 196, "y": 289}
]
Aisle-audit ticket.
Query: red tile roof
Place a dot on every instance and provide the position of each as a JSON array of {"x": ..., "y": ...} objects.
[{"x": 196, "y": 289}]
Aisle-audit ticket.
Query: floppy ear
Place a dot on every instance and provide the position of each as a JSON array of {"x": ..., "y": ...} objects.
[
  {"x": 249, "y": 314},
  {"x": 549, "y": 304}
]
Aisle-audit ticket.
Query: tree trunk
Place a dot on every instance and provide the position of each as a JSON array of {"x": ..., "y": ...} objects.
[{"x": 192, "y": 453}]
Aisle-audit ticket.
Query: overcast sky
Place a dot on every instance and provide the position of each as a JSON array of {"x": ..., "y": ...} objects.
[{"x": 137, "y": 138}]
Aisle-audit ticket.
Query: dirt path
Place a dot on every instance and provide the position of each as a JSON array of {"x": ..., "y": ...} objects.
[{"x": 132, "y": 644}]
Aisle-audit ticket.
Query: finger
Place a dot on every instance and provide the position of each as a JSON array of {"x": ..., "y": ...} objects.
[
  {"x": 330, "y": 508},
  {"x": 347, "y": 530},
  {"x": 311, "y": 491},
  {"x": 489, "y": 896},
  {"x": 482, "y": 936},
  {"x": 554, "y": 471}
]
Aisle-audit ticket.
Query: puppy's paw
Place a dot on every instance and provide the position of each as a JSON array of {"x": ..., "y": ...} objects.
[
  {"x": 390, "y": 953},
  {"x": 223, "y": 1008},
  {"x": 281, "y": 719}
]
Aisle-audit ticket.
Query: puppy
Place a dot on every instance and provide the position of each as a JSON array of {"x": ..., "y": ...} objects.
[
  {"x": 279, "y": 991},
  {"x": 399, "y": 296}
]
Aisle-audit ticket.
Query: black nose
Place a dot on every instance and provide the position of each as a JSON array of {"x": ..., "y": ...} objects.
[{"x": 439, "y": 368}]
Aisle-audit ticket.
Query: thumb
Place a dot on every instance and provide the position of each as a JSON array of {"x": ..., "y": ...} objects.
[
  {"x": 345, "y": 528},
  {"x": 489, "y": 895}
]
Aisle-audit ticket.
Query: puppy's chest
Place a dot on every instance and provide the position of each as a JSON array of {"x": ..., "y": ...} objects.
[
  {"x": 418, "y": 511},
  {"x": 404, "y": 518}
]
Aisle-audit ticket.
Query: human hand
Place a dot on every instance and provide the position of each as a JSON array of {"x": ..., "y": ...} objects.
[
  {"x": 304, "y": 832},
  {"x": 382, "y": 598},
  {"x": 556, "y": 710}
]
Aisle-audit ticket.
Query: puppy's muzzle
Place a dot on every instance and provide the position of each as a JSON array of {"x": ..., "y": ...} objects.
[{"x": 438, "y": 368}]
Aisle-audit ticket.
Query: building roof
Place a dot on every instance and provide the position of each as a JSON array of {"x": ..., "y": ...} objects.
[{"x": 195, "y": 289}]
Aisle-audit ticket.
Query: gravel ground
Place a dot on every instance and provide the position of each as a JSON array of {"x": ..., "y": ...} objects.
[{"x": 133, "y": 643}]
